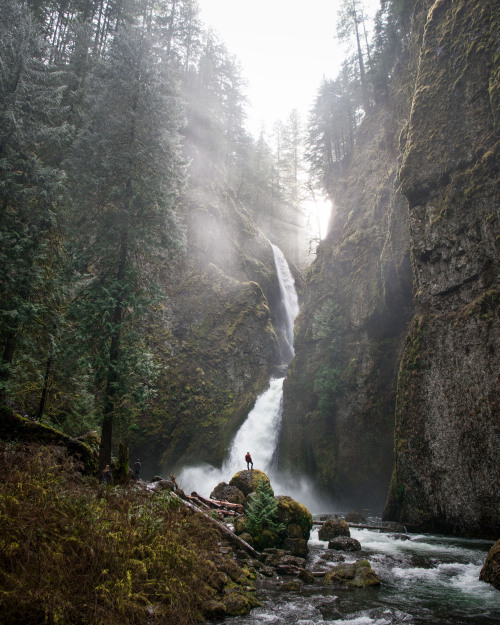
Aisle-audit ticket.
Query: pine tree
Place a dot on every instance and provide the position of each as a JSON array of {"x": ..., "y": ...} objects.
[
  {"x": 30, "y": 192},
  {"x": 262, "y": 512},
  {"x": 127, "y": 173}
]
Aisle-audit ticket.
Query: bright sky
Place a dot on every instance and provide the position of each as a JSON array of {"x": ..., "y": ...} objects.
[{"x": 285, "y": 47}]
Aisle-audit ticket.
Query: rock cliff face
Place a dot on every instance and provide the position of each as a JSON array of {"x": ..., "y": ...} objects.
[
  {"x": 422, "y": 184},
  {"x": 340, "y": 392},
  {"x": 216, "y": 337},
  {"x": 448, "y": 407}
]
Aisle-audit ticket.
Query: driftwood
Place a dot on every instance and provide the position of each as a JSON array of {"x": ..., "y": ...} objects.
[
  {"x": 230, "y": 508},
  {"x": 225, "y": 530}
]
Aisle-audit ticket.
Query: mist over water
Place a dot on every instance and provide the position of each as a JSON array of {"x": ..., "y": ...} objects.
[{"x": 260, "y": 432}]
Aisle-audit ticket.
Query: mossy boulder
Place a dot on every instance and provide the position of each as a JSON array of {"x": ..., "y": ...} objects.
[
  {"x": 225, "y": 492},
  {"x": 490, "y": 573},
  {"x": 248, "y": 481},
  {"x": 358, "y": 574},
  {"x": 333, "y": 528},
  {"x": 295, "y": 516}
]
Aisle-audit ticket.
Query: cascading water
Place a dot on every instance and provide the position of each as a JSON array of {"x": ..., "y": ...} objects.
[{"x": 260, "y": 432}]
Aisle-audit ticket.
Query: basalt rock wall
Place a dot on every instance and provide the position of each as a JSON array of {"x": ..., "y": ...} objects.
[
  {"x": 399, "y": 328},
  {"x": 447, "y": 439}
]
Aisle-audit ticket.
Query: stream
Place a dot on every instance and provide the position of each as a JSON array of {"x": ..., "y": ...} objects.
[{"x": 429, "y": 579}]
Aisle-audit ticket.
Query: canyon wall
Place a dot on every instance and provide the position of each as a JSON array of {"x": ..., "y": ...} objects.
[
  {"x": 373, "y": 358},
  {"x": 447, "y": 442}
]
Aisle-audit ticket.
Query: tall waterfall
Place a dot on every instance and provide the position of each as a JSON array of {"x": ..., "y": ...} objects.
[
  {"x": 289, "y": 304},
  {"x": 259, "y": 434}
]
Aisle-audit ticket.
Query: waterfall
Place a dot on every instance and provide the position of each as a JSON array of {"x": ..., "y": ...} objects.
[
  {"x": 289, "y": 304},
  {"x": 260, "y": 432}
]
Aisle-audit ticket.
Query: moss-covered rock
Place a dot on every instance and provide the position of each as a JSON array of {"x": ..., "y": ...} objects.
[
  {"x": 295, "y": 516},
  {"x": 490, "y": 573},
  {"x": 356, "y": 575},
  {"x": 248, "y": 481},
  {"x": 225, "y": 492},
  {"x": 333, "y": 528},
  {"x": 14, "y": 427}
]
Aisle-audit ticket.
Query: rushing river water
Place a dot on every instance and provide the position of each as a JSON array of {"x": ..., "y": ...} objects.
[{"x": 424, "y": 579}]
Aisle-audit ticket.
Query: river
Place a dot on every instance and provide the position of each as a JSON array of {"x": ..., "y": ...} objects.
[{"x": 425, "y": 579}]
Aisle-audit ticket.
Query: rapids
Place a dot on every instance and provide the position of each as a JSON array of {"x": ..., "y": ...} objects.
[{"x": 426, "y": 579}]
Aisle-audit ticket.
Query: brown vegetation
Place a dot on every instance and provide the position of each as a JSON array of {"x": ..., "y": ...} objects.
[{"x": 74, "y": 551}]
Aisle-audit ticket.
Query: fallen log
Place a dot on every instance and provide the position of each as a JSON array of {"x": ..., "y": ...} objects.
[
  {"x": 217, "y": 503},
  {"x": 225, "y": 530},
  {"x": 364, "y": 527}
]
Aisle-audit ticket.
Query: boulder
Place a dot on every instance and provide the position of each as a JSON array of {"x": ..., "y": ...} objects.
[
  {"x": 354, "y": 575},
  {"x": 295, "y": 516},
  {"x": 333, "y": 528},
  {"x": 344, "y": 543},
  {"x": 354, "y": 517},
  {"x": 248, "y": 481},
  {"x": 225, "y": 492},
  {"x": 296, "y": 546},
  {"x": 490, "y": 573}
]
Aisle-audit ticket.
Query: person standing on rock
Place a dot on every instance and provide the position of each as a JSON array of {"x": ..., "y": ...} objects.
[{"x": 248, "y": 460}]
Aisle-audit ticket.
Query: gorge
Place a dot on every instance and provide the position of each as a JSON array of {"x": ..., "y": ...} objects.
[{"x": 165, "y": 295}]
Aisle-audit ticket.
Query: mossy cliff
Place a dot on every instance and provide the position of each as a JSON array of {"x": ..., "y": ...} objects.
[
  {"x": 415, "y": 235},
  {"x": 216, "y": 337},
  {"x": 447, "y": 441},
  {"x": 339, "y": 396}
]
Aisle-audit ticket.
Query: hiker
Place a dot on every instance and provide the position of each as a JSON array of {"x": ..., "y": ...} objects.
[
  {"x": 248, "y": 460},
  {"x": 137, "y": 468},
  {"x": 106, "y": 475}
]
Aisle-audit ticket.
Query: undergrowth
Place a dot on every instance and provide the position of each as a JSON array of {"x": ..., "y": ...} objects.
[{"x": 76, "y": 552}]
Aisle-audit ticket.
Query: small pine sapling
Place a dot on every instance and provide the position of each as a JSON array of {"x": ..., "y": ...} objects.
[{"x": 262, "y": 512}]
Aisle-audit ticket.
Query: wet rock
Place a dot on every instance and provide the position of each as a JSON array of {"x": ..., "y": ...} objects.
[
  {"x": 333, "y": 528},
  {"x": 332, "y": 557},
  {"x": 296, "y": 546},
  {"x": 307, "y": 577},
  {"x": 248, "y": 481},
  {"x": 238, "y": 604},
  {"x": 490, "y": 573},
  {"x": 214, "y": 609},
  {"x": 354, "y": 517},
  {"x": 344, "y": 543},
  {"x": 225, "y": 492},
  {"x": 400, "y": 537},
  {"x": 353, "y": 575}
]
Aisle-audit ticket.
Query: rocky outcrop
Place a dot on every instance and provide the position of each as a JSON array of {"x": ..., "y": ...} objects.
[
  {"x": 278, "y": 521},
  {"x": 447, "y": 441},
  {"x": 248, "y": 481}
]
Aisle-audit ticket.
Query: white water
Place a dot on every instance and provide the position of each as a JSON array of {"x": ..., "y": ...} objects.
[
  {"x": 289, "y": 300},
  {"x": 260, "y": 432},
  {"x": 424, "y": 580}
]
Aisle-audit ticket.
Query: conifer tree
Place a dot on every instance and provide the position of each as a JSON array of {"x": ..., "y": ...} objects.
[
  {"x": 30, "y": 189},
  {"x": 262, "y": 512},
  {"x": 126, "y": 174}
]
